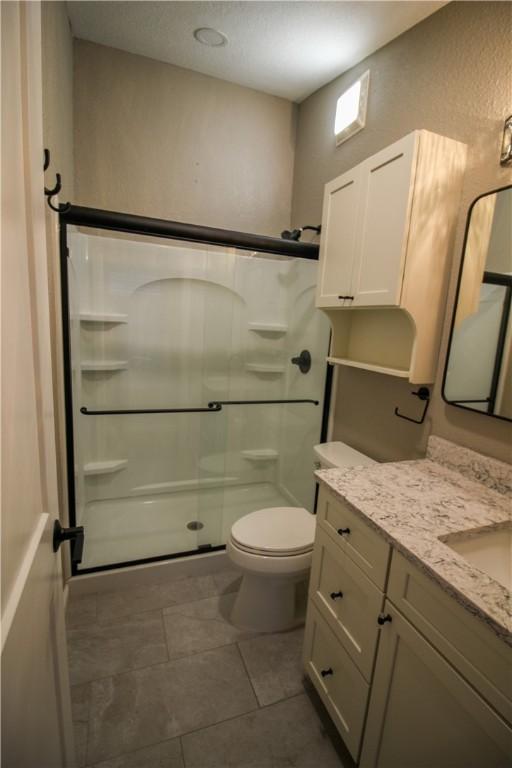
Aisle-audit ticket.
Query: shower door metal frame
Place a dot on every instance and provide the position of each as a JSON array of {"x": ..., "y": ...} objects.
[{"x": 96, "y": 218}]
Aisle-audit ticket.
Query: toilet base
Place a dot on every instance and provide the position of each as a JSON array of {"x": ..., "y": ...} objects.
[{"x": 270, "y": 604}]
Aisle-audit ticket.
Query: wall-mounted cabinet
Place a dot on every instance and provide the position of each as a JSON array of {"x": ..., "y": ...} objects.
[{"x": 387, "y": 233}]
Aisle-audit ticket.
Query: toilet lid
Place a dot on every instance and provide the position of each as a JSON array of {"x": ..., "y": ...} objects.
[{"x": 276, "y": 531}]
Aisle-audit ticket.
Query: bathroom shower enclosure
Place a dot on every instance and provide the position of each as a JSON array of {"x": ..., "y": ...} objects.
[{"x": 188, "y": 403}]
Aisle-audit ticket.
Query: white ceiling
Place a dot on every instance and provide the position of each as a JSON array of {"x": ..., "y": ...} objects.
[{"x": 288, "y": 49}]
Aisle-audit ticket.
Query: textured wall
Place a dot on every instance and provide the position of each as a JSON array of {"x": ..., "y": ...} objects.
[
  {"x": 450, "y": 74},
  {"x": 158, "y": 140},
  {"x": 57, "y": 50}
]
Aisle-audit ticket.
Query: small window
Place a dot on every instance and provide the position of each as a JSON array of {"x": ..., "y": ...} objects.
[{"x": 351, "y": 109}]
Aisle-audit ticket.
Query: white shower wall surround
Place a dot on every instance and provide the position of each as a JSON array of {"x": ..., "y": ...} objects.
[{"x": 176, "y": 326}]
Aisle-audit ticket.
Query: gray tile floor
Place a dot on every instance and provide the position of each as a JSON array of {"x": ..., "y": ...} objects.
[{"x": 161, "y": 679}]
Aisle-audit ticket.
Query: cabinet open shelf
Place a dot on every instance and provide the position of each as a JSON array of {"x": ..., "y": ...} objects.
[
  {"x": 268, "y": 368},
  {"x": 103, "y": 318},
  {"x": 273, "y": 328},
  {"x": 380, "y": 340},
  {"x": 93, "y": 468},
  {"x": 369, "y": 367},
  {"x": 260, "y": 454},
  {"x": 92, "y": 366}
]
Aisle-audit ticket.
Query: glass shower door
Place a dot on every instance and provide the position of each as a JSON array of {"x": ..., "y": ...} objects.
[
  {"x": 158, "y": 332},
  {"x": 260, "y": 451}
]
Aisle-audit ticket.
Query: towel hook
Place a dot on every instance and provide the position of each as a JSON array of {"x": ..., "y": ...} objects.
[
  {"x": 423, "y": 393},
  {"x": 61, "y": 207}
]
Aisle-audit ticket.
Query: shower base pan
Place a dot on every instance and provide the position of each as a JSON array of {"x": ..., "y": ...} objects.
[{"x": 128, "y": 530}]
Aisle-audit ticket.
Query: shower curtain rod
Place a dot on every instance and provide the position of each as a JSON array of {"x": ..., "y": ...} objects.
[{"x": 194, "y": 233}]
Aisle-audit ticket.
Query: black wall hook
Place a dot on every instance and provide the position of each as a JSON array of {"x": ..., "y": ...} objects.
[
  {"x": 61, "y": 207},
  {"x": 56, "y": 189},
  {"x": 423, "y": 393}
]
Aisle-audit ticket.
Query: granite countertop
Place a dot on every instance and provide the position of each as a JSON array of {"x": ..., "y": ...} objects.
[{"x": 413, "y": 504}]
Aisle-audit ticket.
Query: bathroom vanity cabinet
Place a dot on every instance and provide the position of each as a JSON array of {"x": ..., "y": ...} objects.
[
  {"x": 387, "y": 233},
  {"x": 409, "y": 677}
]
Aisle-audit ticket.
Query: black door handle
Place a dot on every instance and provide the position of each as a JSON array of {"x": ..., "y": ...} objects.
[
  {"x": 326, "y": 672},
  {"x": 342, "y": 531},
  {"x": 383, "y": 618},
  {"x": 336, "y": 595},
  {"x": 75, "y": 535}
]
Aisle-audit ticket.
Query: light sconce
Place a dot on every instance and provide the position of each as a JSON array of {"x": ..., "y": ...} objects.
[
  {"x": 506, "y": 145},
  {"x": 351, "y": 109}
]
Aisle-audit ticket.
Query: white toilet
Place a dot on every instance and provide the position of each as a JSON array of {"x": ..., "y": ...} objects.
[{"x": 273, "y": 548}]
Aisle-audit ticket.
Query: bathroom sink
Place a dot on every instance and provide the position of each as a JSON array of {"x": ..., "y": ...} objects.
[{"x": 489, "y": 550}]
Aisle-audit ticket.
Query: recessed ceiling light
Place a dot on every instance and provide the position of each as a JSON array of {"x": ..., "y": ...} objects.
[{"x": 209, "y": 36}]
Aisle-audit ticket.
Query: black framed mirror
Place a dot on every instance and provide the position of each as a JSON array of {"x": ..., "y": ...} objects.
[{"x": 478, "y": 370}]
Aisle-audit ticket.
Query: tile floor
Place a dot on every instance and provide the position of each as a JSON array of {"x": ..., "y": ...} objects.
[{"x": 161, "y": 679}]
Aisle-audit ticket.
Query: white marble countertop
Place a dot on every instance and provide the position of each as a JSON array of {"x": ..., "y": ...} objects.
[{"x": 414, "y": 503}]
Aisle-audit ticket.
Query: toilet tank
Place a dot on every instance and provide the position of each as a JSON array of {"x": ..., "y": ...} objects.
[{"x": 337, "y": 454}]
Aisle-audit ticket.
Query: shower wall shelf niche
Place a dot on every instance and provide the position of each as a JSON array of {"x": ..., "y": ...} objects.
[
  {"x": 93, "y": 468},
  {"x": 277, "y": 328},
  {"x": 91, "y": 366},
  {"x": 103, "y": 318},
  {"x": 260, "y": 454},
  {"x": 265, "y": 368},
  {"x": 387, "y": 236}
]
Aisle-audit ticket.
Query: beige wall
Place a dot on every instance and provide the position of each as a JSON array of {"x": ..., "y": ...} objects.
[
  {"x": 158, "y": 140},
  {"x": 450, "y": 74},
  {"x": 57, "y": 52}
]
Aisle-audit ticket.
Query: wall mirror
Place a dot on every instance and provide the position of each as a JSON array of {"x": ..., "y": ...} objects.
[{"x": 478, "y": 373}]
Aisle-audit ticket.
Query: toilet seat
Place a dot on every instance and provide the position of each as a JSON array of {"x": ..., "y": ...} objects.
[
  {"x": 275, "y": 532},
  {"x": 272, "y": 553}
]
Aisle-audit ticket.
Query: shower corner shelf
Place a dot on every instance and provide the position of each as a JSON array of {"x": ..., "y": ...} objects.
[
  {"x": 93, "y": 468},
  {"x": 260, "y": 454},
  {"x": 103, "y": 318},
  {"x": 276, "y": 370},
  {"x": 91, "y": 366},
  {"x": 274, "y": 328}
]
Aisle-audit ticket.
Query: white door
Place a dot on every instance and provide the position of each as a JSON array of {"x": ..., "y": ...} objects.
[
  {"x": 388, "y": 180},
  {"x": 36, "y": 715},
  {"x": 423, "y": 714},
  {"x": 340, "y": 239}
]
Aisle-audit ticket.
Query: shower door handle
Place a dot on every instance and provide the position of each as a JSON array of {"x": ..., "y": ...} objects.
[
  {"x": 75, "y": 535},
  {"x": 214, "y": 406}
]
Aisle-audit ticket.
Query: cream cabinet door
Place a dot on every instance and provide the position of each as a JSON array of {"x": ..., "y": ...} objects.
[
  {"x": 423, "y": 714},
  {"x": 342, "y": 688},
  {"x": 340, "y": 239},
  {"x": 388, "y": 183}
]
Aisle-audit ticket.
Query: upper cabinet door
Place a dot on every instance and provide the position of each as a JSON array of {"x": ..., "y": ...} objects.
[
  {"x": 340, "y": 238},
  {"x": 386, "y": 207}
]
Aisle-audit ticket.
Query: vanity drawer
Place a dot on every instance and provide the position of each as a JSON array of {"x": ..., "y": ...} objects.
[
  {"x": 473, "y": 649},
  {"x": 347, "y": 599},
  {"x": 366, "y": 548},
  {"x": 339, "y": 683}
]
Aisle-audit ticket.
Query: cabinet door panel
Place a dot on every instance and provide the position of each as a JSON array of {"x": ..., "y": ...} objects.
[
  {"x": 388, "y": 185},
  {"x": 423, "y": 713},
  {"x": 339, "y": 683},
  {"x": 340, "y": 238},
  {"x": 348, "y": 600},
  {"x": 355, "y": 537}
]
